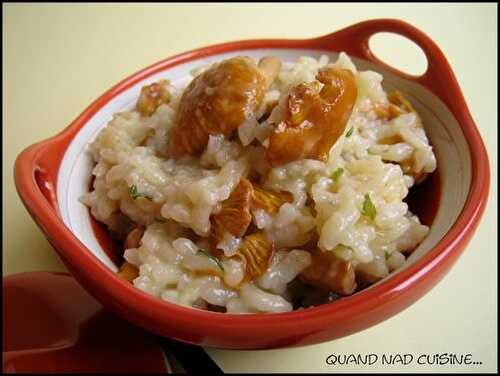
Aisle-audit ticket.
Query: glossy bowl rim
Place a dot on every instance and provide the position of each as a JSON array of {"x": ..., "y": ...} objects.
[{"x": 425, "y": 272}]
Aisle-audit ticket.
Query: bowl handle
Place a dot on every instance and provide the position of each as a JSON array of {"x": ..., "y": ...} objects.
[
  {"x": 354, "y": 40},
  {"x": 35, "y": 176}
]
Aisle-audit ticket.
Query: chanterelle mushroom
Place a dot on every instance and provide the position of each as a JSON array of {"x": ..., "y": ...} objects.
[
  {"x": 219, "y": 100},
  {"x": 256, "y": 252},
  {"x": 234, "y": 216},
  {"x": 330, "y": 273},
  {"x": 153, "y": 96},
  {"x": 315, "y": 117}
]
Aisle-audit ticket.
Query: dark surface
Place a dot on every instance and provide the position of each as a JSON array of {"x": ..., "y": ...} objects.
[{"x": 193, "y": 359}]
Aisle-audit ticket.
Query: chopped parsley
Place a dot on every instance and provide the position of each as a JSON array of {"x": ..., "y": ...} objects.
[
  {"x": 349, "y": 132},
  {"x": 135, "y": 195},
  {"x": 347, "y": 246},
  {"x": 211, "y": 257},
  {"x": 337, "y": 174},
  {"x": 368, "y": 209},
  {"x": 387, "y": 255}
]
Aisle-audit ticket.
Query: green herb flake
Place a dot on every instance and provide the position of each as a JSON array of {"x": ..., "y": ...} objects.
[
  {"x": 349, "y": 132},
  {"x": 337, "y": 174},
  {"x": 369, "y": 209},
  {"x": 211, "y": 257},
  {"x": 387, "y": 255},
  {"x": 347, "y": 246},
  {"x": 135, "y": 195}
]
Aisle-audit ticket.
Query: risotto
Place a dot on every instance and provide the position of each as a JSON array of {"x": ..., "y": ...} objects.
[{"x": 262, "y": 186}]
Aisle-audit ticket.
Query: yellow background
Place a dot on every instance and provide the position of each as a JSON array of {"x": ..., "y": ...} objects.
[{"x": 58, "y": 58}]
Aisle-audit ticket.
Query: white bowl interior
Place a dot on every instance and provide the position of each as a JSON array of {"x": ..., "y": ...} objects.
[{"x": 452, "y": 152}]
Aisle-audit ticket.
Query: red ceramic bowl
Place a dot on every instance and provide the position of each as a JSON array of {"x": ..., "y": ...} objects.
[
  {"x": 50, "y": 325},
  {"x": 52, "y": 174}
]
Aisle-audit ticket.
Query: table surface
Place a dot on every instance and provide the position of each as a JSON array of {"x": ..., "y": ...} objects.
[{"x": 58, "y": 58}]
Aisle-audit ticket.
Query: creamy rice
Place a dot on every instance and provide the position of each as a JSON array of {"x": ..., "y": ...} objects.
[{"x": 177, "y": 197}]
